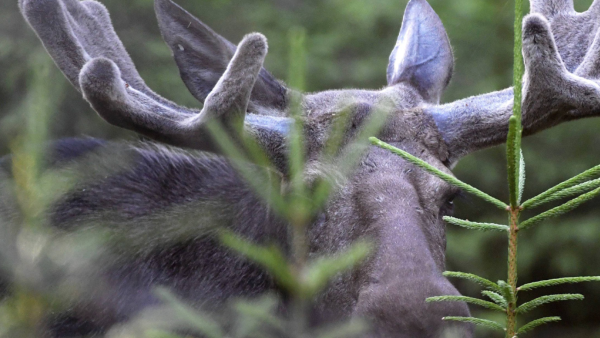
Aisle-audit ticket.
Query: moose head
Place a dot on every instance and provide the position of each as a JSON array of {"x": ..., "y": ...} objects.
[{"x": 384, "y": 198}]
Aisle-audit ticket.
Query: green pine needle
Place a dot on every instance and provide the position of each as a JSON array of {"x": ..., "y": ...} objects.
[
  {"x": 557, "y": 281},
  {"x": 320, "y": 271},
  {"x": 585, "y": 176},
  {"x": 533, "y": 324},
  {"x": 569, "y": 192},
  {"x": 476, "y": 225},
  {"x": 507, "y": 292},
  {"x": 477, "y": 321},
  {"x": 271, "y": 258},
  {"x": 547, "y": 299},
  {"x": 560, "y": 210},
  {"x": 255, "y": 178},
  {"x": 470, "y": 300},
  {"x": 442, "y": 175},
  {"x": 512, "y": 161},
  {"x": 200, "y": 322},
  {"x": 496, "y": 297},
  {"x": 488, "y": 284}
]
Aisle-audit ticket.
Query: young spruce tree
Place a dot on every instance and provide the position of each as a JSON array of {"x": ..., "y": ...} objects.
[{"x": 504, "y": 294}]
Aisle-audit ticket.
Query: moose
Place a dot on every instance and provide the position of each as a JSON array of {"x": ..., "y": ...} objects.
[{"x": 162, "y": 189}]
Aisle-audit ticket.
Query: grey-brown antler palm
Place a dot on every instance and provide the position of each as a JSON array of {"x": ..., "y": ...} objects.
[
  {"x": 561, "y": 49},
  {"x": 80, "y": 38}
]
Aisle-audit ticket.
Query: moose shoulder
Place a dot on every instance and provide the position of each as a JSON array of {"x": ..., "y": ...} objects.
[{"x": 165, "y": 202}]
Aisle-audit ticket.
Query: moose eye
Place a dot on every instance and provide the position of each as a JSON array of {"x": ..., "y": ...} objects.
[{"x": 447, "y": 208}]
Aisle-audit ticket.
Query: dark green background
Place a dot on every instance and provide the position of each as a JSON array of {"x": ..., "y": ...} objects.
[{"x": 348, "y": 46}]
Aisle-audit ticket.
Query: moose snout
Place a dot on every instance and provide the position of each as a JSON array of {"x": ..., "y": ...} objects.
[{"x": 391, "y": 311}]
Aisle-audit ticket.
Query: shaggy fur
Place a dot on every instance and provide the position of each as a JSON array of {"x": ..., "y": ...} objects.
[{"x": 161, "y": 206}]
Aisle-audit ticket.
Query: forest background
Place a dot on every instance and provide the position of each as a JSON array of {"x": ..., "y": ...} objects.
[{"x": 348, "y": 45}]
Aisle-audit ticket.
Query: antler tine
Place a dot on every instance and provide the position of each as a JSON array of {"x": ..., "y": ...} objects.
[
  {"x": 229, "y": 99},
  {"x": 595, "y": 7},
  {"x": 550, "y": 90},
  {"x": 128, "y": 108},
  {"x": 561, "y": 83},
  {"x": 202, "y": 56},
  {"x": 48, "y": 19},
  {"x": 551, "y": 8},
  {"x": 590, "y": 66},
  {"x": 73, "y": 32},
  {"x": 80, "y": 38}
]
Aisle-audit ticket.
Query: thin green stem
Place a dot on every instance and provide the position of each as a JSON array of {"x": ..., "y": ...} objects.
[
  {"x": 488, "y": 284},
  {"x": 532, "y": 325},
  {"x": 477, "y": 321},
  {"x": 476, "y": 225},
  {"x": 442, "y": 175},
  {"x": 470, "y": 300},
  {"x": 560, "y": 210},
  {"x": 569, "y": 192},
  {"x": 518, "y": 67},
  {"x": 558, "y": 281},
  {"x": 585, "y": 176},
  {"x": 547, "y": 299},
  {"x": 514, "y": 151}
]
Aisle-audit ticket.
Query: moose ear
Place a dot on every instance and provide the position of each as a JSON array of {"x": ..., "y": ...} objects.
[
  {"x": 422, "y": 56},
  {"x": 203, "y": 55}
]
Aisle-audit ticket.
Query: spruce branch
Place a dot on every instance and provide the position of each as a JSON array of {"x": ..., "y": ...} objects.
[
  {"x": 440, "y": 174},
  {"x": 475, "y": 225},
  {"x": 558, "y": 281},
  {"x": 488, "y": 284},
  {"x": 526, "y": 307},
  {"x": 320, "y": 271},
  {"x": 513, "y": 164},
  {"x": 496, "y": 297},
  {"x": 470, "y": 300},
  {"x": 507, "y": 292},
  {"x": 569, "y": 192},
  {"x": 533, "y": 324},
  {"x": 560, "y": 210},
  {"x": 198, "y": 321},
  {"x": 271, "y": 258},
  {"x": 477, "y": 321},
  {"x": 587, "y": 175}
]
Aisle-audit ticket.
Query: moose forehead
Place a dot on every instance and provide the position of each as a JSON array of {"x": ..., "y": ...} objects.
[
  {"x": 406, "y": 124},
  {"x": 401, "y": 96}
]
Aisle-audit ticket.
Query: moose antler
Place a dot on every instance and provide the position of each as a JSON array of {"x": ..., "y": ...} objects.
[
  {"x": 561, "y": 49},
  {"x": 80, "y": 38},
  {"x": 202, "y": 55}
]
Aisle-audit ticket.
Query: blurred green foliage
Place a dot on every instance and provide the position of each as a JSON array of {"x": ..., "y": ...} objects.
[{"x": 348, "y": 43}]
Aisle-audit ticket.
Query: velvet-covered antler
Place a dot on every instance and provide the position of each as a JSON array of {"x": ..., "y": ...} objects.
[
  {"x": 80, "y": 38},
  {"x": 202, "y": 56},
  {"x": 561, "y": 49}
]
